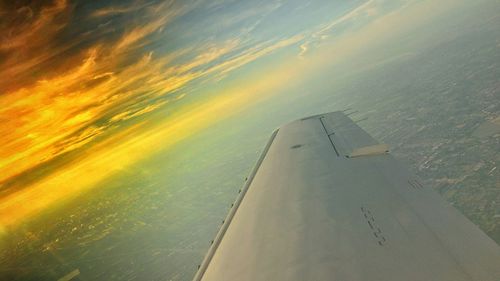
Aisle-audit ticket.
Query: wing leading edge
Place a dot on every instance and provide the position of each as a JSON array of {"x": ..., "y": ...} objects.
[{"x": 327, "y": 202}]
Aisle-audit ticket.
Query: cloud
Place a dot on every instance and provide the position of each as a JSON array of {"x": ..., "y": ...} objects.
[
  {"x": 368, "y": 8},
  {"x": 321, "y": 32},
  {"x": 78, "y": 139},
  {"x": 139, "y": 33},
  {"x": 24, "y": 27},
  {"x": 27, "y": 34},
  {"x": 253, "y": 54},
  {"x": 118, "y": 10},
  {"x": 122, "y": 116},
  {"x": 303, "y": 49}
]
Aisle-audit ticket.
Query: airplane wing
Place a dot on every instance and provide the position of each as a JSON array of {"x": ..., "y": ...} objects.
[{"x": 327, "y": 202}]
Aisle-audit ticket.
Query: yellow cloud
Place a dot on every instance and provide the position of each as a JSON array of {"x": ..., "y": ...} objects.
[{"x": 131, "y": 114}]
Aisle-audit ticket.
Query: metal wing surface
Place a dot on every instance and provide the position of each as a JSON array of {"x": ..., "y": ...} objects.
[{"x": 327, "y": 202}]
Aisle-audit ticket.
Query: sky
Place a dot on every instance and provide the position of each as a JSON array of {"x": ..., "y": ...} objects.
[{"x": 89, "y": 88}]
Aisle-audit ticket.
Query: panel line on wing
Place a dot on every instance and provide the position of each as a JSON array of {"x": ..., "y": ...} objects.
[{"x": 328, "y": 136}]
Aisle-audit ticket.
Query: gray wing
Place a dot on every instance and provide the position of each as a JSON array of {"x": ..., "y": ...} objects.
[{"x": 326, "y": 202}]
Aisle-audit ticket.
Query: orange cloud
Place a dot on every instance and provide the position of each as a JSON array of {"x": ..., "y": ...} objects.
[
  {"x": 32, "y": 29},
  {"x": 115, "y": 10},
  {"x": 26, "y": 40}
]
